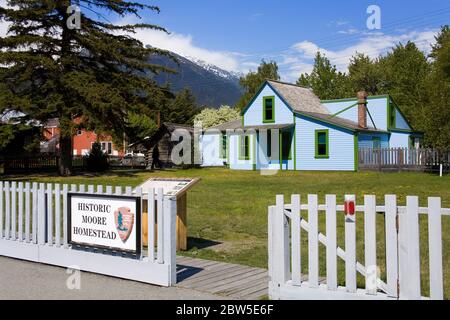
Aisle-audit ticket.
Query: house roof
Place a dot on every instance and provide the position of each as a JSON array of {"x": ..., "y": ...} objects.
[
  {"x": 52, "y": 123},
  {"x": 231, "y": 125},
  {"x": 171, "y": 127},
  {"x": 298, "y": 98},
  {"x": 174, "y": 126},
  {"x": 340, "y": 122}
]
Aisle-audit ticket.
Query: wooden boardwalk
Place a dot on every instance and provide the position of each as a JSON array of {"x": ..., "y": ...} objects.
[{"x": 225, "y": 279}]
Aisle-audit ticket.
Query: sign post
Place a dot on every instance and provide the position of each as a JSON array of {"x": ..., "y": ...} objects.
[{"x": 176, "y": 190}]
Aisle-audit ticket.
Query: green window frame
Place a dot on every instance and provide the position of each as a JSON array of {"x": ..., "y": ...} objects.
[
  {"x": 268, "y": 109},
  {"x": 322, "y": 144},
  {"x": 286, "y": 145},
  {"x": 392, "y": 116},
  {"x": 376, "y": 142},
  {"x": 244, "y": 147},
  {"x": 223, "y": 146}
]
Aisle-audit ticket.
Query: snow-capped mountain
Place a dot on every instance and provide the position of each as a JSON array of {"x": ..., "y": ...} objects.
[{"x": 211, "y": 85}]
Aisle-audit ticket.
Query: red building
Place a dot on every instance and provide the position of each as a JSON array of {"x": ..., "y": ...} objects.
[{"x": 82, "y": 140}]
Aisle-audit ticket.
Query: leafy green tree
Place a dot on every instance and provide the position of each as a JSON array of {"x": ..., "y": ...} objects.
[
  {"x": 140, "y": 126},
  {"x": 325, "y": 80},
  {"x": 403, "y": 73},
  {"x": 437, "y": 119},
  {"x": 182, "y": 109},
  {"x": 214, "y": 117},
  {"x": 364, "y": 74},
  {"x": 253, "y": 81},
  {"x": 53, "y": 70}
]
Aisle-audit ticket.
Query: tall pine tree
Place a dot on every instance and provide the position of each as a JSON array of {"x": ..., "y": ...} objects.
[{"x": 53, "y": 70}]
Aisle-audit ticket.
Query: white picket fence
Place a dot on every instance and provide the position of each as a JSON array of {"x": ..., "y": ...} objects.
[
  {"x": 402, "y": 249},
  {"x": 33, "y": 227}
]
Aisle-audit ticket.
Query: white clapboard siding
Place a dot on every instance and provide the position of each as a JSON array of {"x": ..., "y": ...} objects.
[
  {"x": 350, "y": 254},
  {"x": 313, "y": 241},
  {"x": 435, "y": 248},
  {"x": 370, "y": 244},
  {"x": 296, "y": 238},
  {"x": 391, "y": 245},
  {"x": 331, "y": 238}
]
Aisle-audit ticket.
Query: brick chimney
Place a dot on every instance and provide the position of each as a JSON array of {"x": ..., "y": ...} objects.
[{"x": 362, "y": 109}]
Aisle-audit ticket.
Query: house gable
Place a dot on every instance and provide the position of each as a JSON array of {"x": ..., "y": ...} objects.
[{"x": 253, "y": 115}]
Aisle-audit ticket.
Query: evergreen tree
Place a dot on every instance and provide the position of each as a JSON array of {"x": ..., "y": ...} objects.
[
  {"x": 404, "y": 71},
  {"x": 364, "y": 74},
  {"x": 437, "y": 119},
  {"x": 54, "y": 70},
  {"x": 325, "y": 80},
  {"x": 253, "y": 81},
  {"x": 182, "y": 109}
]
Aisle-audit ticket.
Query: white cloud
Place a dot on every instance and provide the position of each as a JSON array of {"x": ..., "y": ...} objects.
[{"x": 371, "y": 44}]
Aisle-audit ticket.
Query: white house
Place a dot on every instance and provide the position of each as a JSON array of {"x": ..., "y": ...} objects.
[{"x": 287, "y": 127}]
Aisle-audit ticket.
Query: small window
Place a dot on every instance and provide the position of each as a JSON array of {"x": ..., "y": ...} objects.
[
  {"x": 244, "y": 148},
  {"x": 269, "y": 109},
  {"x": 392, "y": 116},
  {"x": 107, "y": 147},
  {"x": 223, "y": 147},
  {"x": 322, "y": 144},
  {"x": 286, "y": 140},
  {"x": 376, "y": 143}
]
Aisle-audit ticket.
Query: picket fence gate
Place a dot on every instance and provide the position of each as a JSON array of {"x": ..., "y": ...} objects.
[
  {"x": 33, "y": 227},
  {"x": 402, "y": 252}
]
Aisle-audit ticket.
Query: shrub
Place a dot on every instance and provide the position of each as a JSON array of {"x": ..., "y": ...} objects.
[{"x": 96, "y": 160}]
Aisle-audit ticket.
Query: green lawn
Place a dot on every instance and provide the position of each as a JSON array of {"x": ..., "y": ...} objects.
[{"x": 227, "y": 211}]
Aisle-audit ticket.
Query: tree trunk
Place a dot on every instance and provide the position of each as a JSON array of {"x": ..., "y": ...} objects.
[{"x": 65, "y": 158}]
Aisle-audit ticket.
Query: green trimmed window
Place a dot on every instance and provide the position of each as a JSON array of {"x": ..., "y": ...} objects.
[
  {"x": 223, "y": 146},
  {"x": 392, "y": 116},
  {"x": 269, "y": 109},
  {"x": 286, "y": 147},
  {"x": 376, "y": 143},
  {"x": 322, "y": 144},
  {"x": 244, "y": 148}
]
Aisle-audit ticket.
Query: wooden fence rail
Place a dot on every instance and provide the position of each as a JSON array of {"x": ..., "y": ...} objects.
[
  {"x": 402, "y": 249},
  {"x": 402, "y": 159}
]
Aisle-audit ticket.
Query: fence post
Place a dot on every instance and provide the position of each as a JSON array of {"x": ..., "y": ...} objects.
[
  {"x": 409, "y": 251},
  {"x": 170, "y": 240},
  {"x": 281, "y": 252},
  {"x": 41, "y": 215}
]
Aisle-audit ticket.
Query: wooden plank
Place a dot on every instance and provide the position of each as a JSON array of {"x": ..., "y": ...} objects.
[
  {"x": 370, "y": 244},
  {"x": 331, "y": 242},
  {"x": 295, "y": 240},
  {"x": 211, "y": 280},
  {"x": 350, "y": 253},
  {"x": 13, "y": 210},
  {"x": 216, "y": 272},
  {"x": 20, "y": 221},
  {"x": 254, "y": 293},
  {"x": 435, "y": 248},
  {"x": 413, "y": 244},
  {"x": 65, "y": 214},
  {"x": 27, "y": 211},
  {"x": 257, "y": 295},
  {"x": 313, "y": 241},
  {"x": 160, "y": 225},
  {"x": 49, "y": 214},
  {"x": 256, "y": 285},
  {"x": 58, "y": 215},
  {"x": 239, "y": 282},
  {"x": 34, "y": 221},
  {"x": 391, "y": 245},
  {"x": 151, "y": 225}
]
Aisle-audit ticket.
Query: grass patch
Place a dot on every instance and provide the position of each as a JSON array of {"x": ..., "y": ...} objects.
[{"x": 227, "y": 211}]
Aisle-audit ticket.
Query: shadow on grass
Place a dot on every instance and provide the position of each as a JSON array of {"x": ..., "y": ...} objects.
[{"x": 201, "y": 243}]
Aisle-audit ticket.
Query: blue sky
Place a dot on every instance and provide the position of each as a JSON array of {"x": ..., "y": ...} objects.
[{"x": 236, "y": 34}]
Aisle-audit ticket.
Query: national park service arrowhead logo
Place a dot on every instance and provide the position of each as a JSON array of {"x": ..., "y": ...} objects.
[{"x": 124, "y": 219}]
